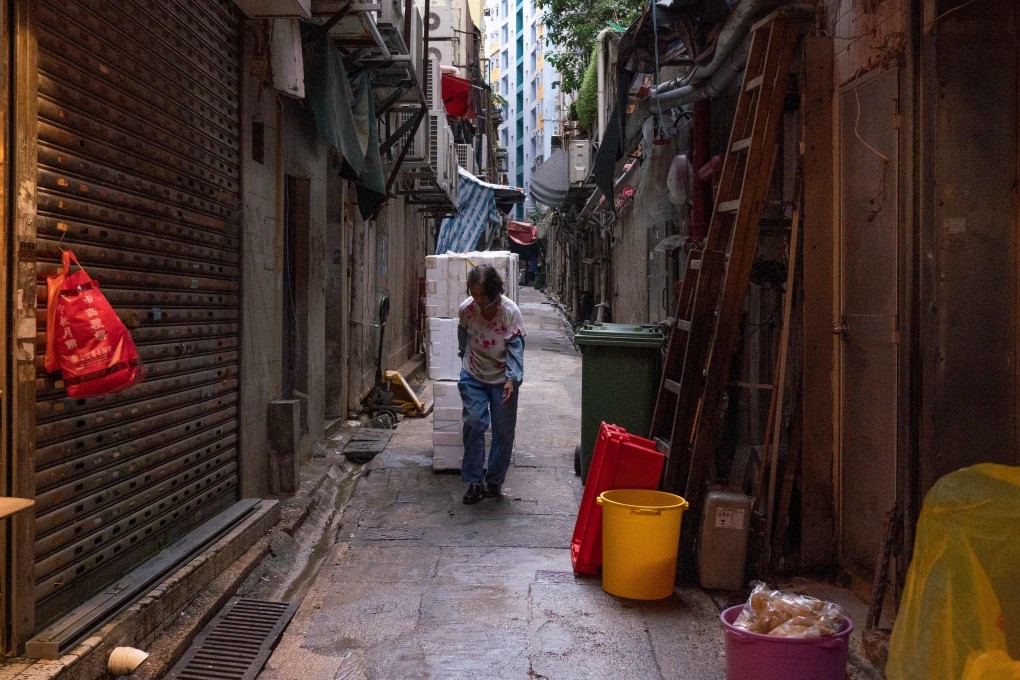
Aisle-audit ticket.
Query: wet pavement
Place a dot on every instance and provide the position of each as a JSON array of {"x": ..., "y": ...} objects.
[{"x": 418, "y": 585}]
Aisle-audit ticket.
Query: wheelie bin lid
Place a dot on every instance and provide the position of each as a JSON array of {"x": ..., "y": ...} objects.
[{"x": 619, "y": 335}]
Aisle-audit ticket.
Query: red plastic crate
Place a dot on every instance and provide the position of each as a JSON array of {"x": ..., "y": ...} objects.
[{"x": 619, "y": 461}]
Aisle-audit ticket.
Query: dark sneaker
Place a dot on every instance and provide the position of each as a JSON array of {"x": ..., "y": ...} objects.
[
  {"x": 491, "y": 491},
  {"x": 473, "y": 494}
]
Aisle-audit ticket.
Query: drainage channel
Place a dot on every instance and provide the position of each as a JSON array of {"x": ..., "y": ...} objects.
[{"x": 326, "y": 527}]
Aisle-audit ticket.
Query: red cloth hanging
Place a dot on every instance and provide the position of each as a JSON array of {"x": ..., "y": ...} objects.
[
  {"x": 457, "y": 97},
  {"x": 521, "y": 232}
]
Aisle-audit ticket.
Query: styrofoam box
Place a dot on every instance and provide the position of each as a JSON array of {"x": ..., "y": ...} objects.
[
  {"x": 446, "y": 426},
  {"x": 446, "y": 394},
  {"x": 450, "y": 456},
  {"x": 456, "y": 439},
  {"x": 443, "y": 362},
  {"x": 447, "y": 457},
  {"x": 446, "y": 413},
  {"x": 446, "y": 279}
]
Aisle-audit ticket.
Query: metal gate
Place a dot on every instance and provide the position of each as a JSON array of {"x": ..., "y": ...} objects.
[{"x": 139, "y": 174}]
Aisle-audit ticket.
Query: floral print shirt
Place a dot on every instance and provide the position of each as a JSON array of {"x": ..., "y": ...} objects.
[{"x": 489, "y": 343}]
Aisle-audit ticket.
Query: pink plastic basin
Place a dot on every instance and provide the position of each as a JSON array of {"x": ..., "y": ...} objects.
[{"x": 751, "y": 656}]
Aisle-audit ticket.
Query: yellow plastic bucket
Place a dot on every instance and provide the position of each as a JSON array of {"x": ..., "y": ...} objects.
[{"x": 640, "y": 536}]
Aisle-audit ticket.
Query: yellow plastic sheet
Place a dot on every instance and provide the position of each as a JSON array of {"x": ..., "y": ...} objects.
[
  {"x": 962, "y": 594},
  {"x": 991, "y": 666}
]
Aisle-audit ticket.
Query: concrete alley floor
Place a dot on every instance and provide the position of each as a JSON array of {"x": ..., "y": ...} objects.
[{"x": 419, "y": 585}]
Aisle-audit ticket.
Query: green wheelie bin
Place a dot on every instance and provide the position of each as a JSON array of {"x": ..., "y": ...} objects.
[{"x": 620, "y": 372}]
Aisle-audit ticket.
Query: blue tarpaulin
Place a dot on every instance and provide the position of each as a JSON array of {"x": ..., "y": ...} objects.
[{"x": 477, "y": 205}]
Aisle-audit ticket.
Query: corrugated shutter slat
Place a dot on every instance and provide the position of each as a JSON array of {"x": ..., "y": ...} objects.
[{"x": 139, "y": 170}]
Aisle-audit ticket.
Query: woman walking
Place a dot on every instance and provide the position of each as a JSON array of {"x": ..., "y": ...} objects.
[{"x": 491, "y": 342}]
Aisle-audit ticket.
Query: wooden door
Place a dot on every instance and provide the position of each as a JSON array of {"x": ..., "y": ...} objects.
[{"x": 869, "y": 304}]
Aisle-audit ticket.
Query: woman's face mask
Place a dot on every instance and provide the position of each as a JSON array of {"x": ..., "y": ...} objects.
[{"x": 478, "y": 295}]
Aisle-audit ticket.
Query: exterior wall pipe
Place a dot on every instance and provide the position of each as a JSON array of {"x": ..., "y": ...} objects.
[
  {"x": 688, "y": 94},
  {"x": 738, "y": 25},
  {"x": 600, "y": 59},
  {"x": 706, "y": 82},
  {"x": 701, "y": 190},
  {"x": 729, "y": 61}
]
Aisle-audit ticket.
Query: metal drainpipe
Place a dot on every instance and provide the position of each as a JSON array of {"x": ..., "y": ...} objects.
[
  {"x": 600, "y": 58},
  {"x": 575, "y": 281},
  {"x": 712, "y": 79},
  {"x": 700, "y": 194}
]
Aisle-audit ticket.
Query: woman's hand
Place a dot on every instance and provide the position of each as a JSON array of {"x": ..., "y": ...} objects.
[{"x": 508, "y": 390}]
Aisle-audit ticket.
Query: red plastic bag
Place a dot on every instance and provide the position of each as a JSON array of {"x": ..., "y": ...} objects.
[{"x": 84, "y": 337}]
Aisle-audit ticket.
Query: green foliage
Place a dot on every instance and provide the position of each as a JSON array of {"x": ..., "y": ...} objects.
[
  {"x": 573, "y": 26},
  {"x": 538, "y": 214},
  {"x": 588, "y": 96}
]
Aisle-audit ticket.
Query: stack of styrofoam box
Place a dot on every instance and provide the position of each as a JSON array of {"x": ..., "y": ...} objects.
[
  {"x": 445, "y": 289},
  {"x": 447, "y": 427},
  {"x": 446, "y": 279}
]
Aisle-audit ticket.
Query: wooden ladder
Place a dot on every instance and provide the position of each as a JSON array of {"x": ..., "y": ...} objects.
[{"x": 686, "y": 422}]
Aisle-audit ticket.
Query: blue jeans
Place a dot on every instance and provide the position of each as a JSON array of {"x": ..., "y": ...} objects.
[{"x": 482, "y": 404}]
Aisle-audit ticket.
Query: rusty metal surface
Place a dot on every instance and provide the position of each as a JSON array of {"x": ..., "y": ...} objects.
[
  {"x": 139, "y": 174},
  {"x": 869, "y": 257}
]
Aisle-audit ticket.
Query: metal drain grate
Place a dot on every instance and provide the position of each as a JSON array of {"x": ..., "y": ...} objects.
[
  {"x": 235, "y": 644},
  {"x": 366, "y": 443}
]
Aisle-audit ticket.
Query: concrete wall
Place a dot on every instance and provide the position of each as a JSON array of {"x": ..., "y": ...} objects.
[
  {"x": 387, "y": 258},
  {"x": 630, "y": 270},
  {"x": 971, "y": 236},
  {"x": 305, "y": 158},
  {"x": 291, "y": 148},
  {"x": 338, "y": 300}
]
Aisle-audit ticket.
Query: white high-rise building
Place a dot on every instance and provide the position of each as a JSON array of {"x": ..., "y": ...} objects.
[{"x": 516, "y": 45}]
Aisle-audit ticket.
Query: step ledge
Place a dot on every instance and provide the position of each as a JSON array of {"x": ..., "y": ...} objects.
[{"x": 130, "y": 628}]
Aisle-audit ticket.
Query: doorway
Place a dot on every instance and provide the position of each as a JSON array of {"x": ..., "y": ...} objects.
[{"x": 869, "y": 265}]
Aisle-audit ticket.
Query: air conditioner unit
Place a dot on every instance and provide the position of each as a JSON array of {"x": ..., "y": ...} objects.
[
  {"x": 436, "y": 119},
  {"x": 442, "y": 51},
  {"x": 449, "y": 159},
  {"x": 454, "y": 179},
  {"x": 466, "y": 157},
  {"x": 416, "y": 152},
  {"x": 578, "y": 160},
  {"x": 440, "y": 25},
  {"x": 433, "y": 86}
]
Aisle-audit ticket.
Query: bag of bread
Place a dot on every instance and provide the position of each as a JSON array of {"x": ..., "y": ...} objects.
[{"x": 783, "y": 613}]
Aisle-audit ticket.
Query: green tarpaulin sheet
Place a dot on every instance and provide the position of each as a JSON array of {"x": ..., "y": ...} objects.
[{"x": 344, "y": 112}]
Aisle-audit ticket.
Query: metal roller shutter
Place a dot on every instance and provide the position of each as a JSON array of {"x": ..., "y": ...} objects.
[{"x": 139, "y": 171}]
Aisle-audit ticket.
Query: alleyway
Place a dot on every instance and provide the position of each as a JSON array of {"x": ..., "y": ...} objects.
[{"x": 420, "y": 585}]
